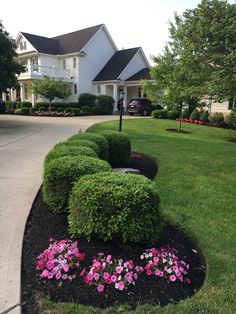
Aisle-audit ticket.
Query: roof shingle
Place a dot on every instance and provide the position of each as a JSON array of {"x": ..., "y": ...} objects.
[
  {"x": 116, "y": 65},
  {"x": 141, "y": 75},
  {"x": 63, "y": 44}
]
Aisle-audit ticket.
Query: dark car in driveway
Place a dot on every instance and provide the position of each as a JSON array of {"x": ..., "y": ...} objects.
[
  {"x": 141, "y": 106},
  {"x": 2, "y": 106}
]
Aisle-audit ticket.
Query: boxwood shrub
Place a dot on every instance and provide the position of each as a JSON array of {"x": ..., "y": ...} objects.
[
  {"x": 25, "y": 110},
  {"x": 60, "y": 174},
  {"x": 98, "y": 139},
  {"x": 217, "y": 119},
  {"x": 65, "y": 150},
  {"x": 195, "y": 115},
  {"x": 77, "y": 143},
  {"x": 18, "y": 111},
  {"x": 119, "y": 147},
  {"x": 119, "y": 206}
]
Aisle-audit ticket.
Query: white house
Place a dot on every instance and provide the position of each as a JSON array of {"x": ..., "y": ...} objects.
[{"x": 87, "y": 60}]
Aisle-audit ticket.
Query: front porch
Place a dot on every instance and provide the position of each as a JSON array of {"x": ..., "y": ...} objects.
[{"x": 115, "y": 88}]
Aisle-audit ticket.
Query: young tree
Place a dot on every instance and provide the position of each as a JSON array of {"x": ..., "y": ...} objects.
[
  {"x": 50, "y": 89},
  {"x": 9, "y": 65}
]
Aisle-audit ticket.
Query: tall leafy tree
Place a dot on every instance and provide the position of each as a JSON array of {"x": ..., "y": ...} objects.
[
  {"x": 9, "y": 66},
  {"x": 50, "y": 89},
  {"x": 200, "y": 58}
]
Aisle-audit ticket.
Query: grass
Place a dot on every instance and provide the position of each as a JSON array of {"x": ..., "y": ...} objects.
[{"x": 197, "y": 187}]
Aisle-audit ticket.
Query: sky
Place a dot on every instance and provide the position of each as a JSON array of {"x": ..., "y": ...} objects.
[{"x": 131, "y": 23}]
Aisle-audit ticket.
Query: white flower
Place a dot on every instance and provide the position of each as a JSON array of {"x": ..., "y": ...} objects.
[
  {"x": 116, "y": 285},
  {"x": 146, "y": 255},
  {"x": 142, "y": 257},
  {"x": 150, "y": 254}
]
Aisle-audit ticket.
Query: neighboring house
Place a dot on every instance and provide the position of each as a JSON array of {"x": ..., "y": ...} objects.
[{"x": 87, "y": 60}]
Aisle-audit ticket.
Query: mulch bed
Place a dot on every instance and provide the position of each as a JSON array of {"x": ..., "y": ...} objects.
[{"x": 43, "y": 224}]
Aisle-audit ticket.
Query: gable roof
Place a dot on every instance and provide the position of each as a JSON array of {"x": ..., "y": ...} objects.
[
  {"x": 141, "y": 75},
  {"x": 116, "y": 64},
  {"x": 63, "y": 44},
  {"x": 42, "y": 44}
]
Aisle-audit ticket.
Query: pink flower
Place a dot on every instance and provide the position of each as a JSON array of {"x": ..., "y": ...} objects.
[
  {"x": 58, "y": 275},
  {"x": 66, "y": 268},
  {"x": 113, "y": 278},
  {"x": 119, "y": 269},
  {"x": 50, "y": 264},
  {"x": 129, "y": 276},
  {"x": 90, "y": 277},
  {"x": 96, "y": 276},
  {"x": 108, "y": 281},
  {"x": 100, "y": 288},
  {"x": 44, "y": 273},
  {"x": 83, "y": 272},
  {"x": 50, "y": 275},
  {"x": 121, "y": 285},
  {"x": 172, "y": 278},
  {"x": 149, "y": 272},
  {"x": 159, "y": 273},
  {"x": 106, "y": 275},
  {"x": 187, "y": 280},
  {"x": 156, "y": 259}
]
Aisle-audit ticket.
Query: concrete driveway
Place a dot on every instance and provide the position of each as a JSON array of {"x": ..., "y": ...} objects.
[{"x": 24, "y": 142}]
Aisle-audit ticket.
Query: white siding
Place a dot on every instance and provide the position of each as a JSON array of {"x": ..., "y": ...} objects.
[
  {"x": 98, "y": 51},
  {"x": 220, "y": 107},
  {"x": 135, "y": 65},
  {"x": 22, "y": 40}
]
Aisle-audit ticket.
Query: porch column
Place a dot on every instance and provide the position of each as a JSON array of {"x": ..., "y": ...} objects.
[
  {"x": 4, "y": 96},
  {"x": 115, "y": 97},
  {"x": 126, "y": 98},
  {"x": 22, "y": 92},
  {"x": 12, "y": 94},
  {"x": 33, "y": 98}
]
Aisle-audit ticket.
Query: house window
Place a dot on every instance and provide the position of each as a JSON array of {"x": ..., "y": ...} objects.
[
  {"x": 64, "y": 64},
  {"x": 22, "y": 45},
  {"x": 74, "y": 63},
  {"x": 35, "y": 64},
  {"x": 231, "y": 104},
  {"x": 98, "y": 89},
  {"x": 75, "y": 89}
]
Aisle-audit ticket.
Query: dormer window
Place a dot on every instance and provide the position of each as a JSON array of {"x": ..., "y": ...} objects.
[{"x": 22, "y": 45}]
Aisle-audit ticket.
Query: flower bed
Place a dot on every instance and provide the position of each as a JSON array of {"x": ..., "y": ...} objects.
[{"x": 190, "y": 121}]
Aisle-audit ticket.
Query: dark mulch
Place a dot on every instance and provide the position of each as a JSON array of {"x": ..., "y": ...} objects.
[
  {"x": 43, "y": 224},
  {"x": 177, "y": 131},
  {"x": 232, "y": 140}
]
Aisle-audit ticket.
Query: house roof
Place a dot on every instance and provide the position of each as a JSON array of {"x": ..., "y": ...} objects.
[
  {"x": 114, "y": 67},
  {"x": 141, "y": 75},
  {"x": 63, "y": 44}
]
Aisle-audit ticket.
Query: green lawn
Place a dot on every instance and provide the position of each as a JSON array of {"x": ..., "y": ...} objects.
[{"x": 197, "y": 187}]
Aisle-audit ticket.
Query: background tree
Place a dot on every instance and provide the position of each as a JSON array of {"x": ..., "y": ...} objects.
[
  {"x": 9, "y": 65},
  {"x": 50, "y": 89},
  {"x": 200, "y": 58}
]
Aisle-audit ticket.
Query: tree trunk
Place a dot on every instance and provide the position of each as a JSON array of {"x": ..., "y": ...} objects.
[{"x": 180, "y": 117}]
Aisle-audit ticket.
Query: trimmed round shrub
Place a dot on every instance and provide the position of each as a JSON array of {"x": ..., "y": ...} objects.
[
  {"x": 195, "y": 115},
  {"x": 205, "y": 116},
  {"x": 11, "y": 104},
  {"x": 25, "y": 110},
  {"x": 59, "y": 109},
  {"x": 98, "y": 139},
  {"x": 217, "y": 119},
  {"x": 172, "y": 114},
  {"x": 119, "y": 206},
  {"x": 76, "y": 111},
  {"x": 186, "y": 113},
  {"x": 106, "y": 103},
  {"x": 80, "y": 143},
  {"x": 231, "y": 120},
  {"x": 18, "y": 111},
  {"x": 86, "y": 99},
  {"x": 119, "y": 147},
  {"x": 25, "y": 104},
  {"x": 42, "y": 109},
  {"x": 33, "y": 110},
  {"x": 97, "y": 110},
  {"x": 64, "y": 150},
  {"x": 156, "y": 113},
  {"x": 86, "y": 109},
  {"x": 60, "y": 174},
  {"x": 39, "y": 105}
]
